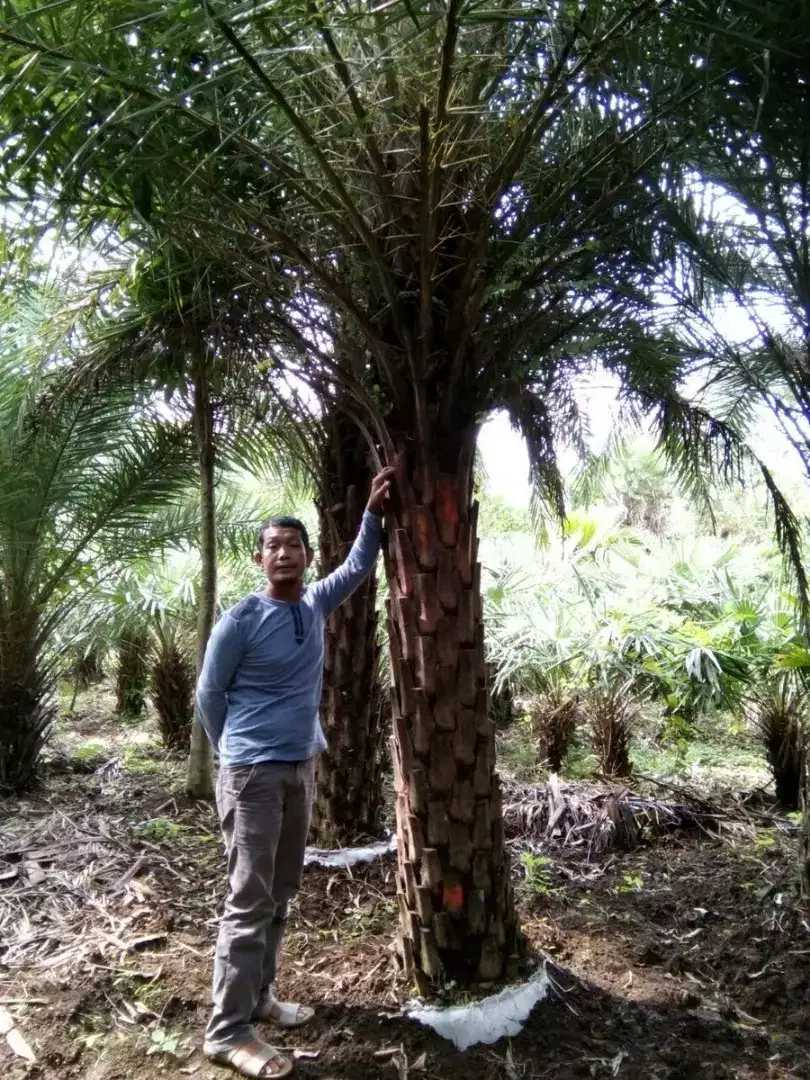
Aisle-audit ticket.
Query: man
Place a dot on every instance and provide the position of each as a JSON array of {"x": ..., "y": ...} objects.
[{"x": 258, "y": 697}]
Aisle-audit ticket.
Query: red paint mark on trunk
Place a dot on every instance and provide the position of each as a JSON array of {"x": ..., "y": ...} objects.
[{"x": 453, "y": 898}]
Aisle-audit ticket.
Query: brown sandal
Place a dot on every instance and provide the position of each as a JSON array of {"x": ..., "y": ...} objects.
[
  {"x": 284, "y": 1014},
  {"x": 256, "y": 1059}
]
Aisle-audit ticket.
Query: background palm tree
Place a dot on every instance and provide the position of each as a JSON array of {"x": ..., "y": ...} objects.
[
  {"x": 78, "y": 482},
  {"x": 191, "y": 334},
  {"x": 131, "y": 671},
  {"x": 741, "y": 224}
]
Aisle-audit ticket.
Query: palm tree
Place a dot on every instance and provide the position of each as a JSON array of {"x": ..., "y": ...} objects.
[
  {"x": 741, "y": 214},
  {"x": 147, "y": 612},
  {"x": 79, "y": 480},
  {"x": 349, "y": 794},
  {"x": 474, "y": 189},
  {"x": 779, "y": 714},
  {"x": 190, "y": 332},
  {"x": 172, "y": 300},
  {"x": 637, "y": 478},
  {"x": 171, "y": 687},
  {"x": 131, "y": 671}
]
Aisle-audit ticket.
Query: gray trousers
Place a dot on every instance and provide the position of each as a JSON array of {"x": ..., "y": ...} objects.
[{"x": 265, "y": 811}]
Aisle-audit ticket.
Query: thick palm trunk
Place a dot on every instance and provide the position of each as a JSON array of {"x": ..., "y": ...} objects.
[
  {"x": 27, "y": 705},
  {"x": 457, "y": 915},
  {"x": 348, "y": 803},
  {"x": 200, "y": 782},
  {"x": 804, "y": 857}
]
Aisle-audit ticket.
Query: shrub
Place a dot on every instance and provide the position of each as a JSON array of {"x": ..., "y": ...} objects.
[
  {"x": 171, "y": 688},
  {"x": 131, "y": 674},
  {"x": 612, "y": 712},
  {"x": 778, "y": 713},
  {"x": 554, "y": 721}
]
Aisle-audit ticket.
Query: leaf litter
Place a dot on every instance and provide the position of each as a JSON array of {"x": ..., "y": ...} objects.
[{"x": 107, "y": 940}]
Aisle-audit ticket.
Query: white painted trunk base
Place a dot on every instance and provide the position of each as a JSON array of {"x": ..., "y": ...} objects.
[
  {"x": 342, "y": 857},
  {"x": 484, "y": 1021}
]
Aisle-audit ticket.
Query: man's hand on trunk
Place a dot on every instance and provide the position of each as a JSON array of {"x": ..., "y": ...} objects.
[{"x": 380, "y": 488}]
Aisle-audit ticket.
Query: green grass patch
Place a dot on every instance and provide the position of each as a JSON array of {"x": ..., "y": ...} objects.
[
  {"x": 726, "y": 764},
  {"x": 144, "y": 759},
  {"x": 91, "y": 751},
  {"x": 158, "y": 830}
]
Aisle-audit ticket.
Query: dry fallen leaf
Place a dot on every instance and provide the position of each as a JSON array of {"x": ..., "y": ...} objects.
[
  {"x": 14, "y": 1037},
  {"x": 387, "y": 1051},
  {"x": 35, "y": 874},
  {"x": 16, "y": 1040}
]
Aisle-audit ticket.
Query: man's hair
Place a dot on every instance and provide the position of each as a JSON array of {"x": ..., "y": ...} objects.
[{"x": 281, "y": 522}]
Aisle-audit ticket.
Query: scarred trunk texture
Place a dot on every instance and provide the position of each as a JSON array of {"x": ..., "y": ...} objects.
[
  {"x": 457, "y": 915},
  {"x": 348, "y": 803}
]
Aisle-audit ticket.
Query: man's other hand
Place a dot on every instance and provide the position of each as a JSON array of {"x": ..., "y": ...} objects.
[{"x": 380, "y": 488}]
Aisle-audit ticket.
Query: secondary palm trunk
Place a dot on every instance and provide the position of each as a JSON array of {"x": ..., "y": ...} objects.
[
  {"x": 27, "y": 705},
  {"x": 456, "y": 904},
  {"x": 805, "y": 835},
  {"x": 199, "y": 783},
  {"x": 349, "y": 800}
]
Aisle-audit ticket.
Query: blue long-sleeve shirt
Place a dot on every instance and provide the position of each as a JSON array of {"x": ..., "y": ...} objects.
[{"x": 259, "y": 690}]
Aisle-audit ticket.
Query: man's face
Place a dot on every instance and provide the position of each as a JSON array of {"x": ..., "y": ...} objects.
[{"x": 283, "y": 556}]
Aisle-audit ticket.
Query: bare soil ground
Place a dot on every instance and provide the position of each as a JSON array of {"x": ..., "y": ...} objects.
[{"x": 686, "y": 958}]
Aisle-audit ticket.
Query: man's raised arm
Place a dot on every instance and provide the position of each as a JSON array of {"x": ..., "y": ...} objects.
[{"x": 331, "y": 591}]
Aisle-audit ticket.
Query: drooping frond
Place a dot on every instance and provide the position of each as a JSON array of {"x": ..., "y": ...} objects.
[
  {"x": 77, "y": 477},
  {"x": 530, "y": 417},
  {"x": 702, "y": 448}
]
